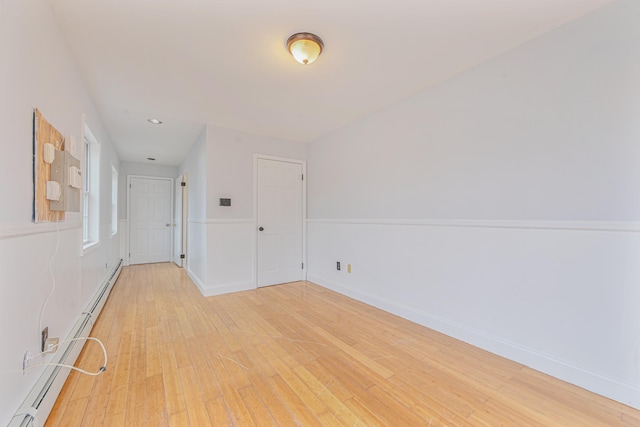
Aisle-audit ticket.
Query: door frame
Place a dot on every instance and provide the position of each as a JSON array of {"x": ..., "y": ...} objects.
[
  {"x": 185, "y": 220},
  {"x": 128, "y": 254},
  {"x": 178, "y": 229},
  {"x": 303, "y": 163}
]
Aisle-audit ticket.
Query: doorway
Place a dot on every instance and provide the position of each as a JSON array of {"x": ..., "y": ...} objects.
[
  {"x": 150, "y": 219},
  {"x": 280, "y": 210}
]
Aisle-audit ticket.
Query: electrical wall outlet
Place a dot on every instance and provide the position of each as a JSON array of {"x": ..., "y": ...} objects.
[
  {"x": 44, "y": 338},
  {"x": 51, "y": 345},
  {"x": 338, "y": 265}
]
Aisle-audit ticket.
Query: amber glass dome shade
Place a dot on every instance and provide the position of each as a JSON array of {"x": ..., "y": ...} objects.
[{"x": 305, "y": 47}]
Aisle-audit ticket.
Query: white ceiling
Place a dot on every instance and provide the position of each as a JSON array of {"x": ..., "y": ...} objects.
[{"x": 224, "y": 62}]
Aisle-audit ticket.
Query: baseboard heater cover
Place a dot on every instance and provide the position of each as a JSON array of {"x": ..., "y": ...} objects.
[{"x": 40, "y": 400}]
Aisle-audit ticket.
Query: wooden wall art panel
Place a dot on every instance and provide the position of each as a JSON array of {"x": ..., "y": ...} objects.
[{"x": 43, "y": 132}]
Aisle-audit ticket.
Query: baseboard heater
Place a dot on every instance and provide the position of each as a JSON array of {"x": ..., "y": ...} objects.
[{"x": 40, "y": 400}]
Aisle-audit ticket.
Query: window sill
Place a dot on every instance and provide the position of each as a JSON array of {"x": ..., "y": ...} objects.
[{"x": 90, "y": 247}]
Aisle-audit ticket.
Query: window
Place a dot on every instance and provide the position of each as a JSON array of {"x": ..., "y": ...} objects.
[
  {"x": 90, "y": 202},
  {"x": 114, "y": 201},
  {"x": 85, "y": 191}
]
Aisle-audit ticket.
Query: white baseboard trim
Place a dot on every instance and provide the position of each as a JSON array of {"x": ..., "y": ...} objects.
[
  {"x": 196, "y": 280},
  {"x": 209, "y": 291},
  {"x": 613, "y": 389},
  {"x": 228, "y": 288}
]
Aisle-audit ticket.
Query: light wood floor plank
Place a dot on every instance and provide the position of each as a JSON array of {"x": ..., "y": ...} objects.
[
  {"x": 196, "y": 405},
  {"x": 157, "y": 406},
  {"x": 116, "y": 406},
  {"x": 298, "y": 355},
  {"x": 218, "y": 412}
]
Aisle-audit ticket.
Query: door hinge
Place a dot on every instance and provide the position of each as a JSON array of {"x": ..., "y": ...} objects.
[
  {"x": 183, "y": 184},
  {"x": 303, "y": 265},
  {"x": 303, "y": 177},
  {"x": 129, "y": 185},
  {"x": 181, "y": 256}
]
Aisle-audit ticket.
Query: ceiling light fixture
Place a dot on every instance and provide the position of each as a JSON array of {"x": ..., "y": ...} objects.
[
  {"x": 305, "y": 47},
  {"x": 154, "y": 121}
]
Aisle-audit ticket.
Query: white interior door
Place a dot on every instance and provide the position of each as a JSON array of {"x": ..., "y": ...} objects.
[
  {"x": 279, "y": 216},
  {"x": 150, "y": 224},
  {"x": 177, "y": 223}
]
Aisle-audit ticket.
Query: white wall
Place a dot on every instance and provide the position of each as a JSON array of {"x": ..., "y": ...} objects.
[
  {"x": 501, "y": 207},
  {"x": 231, "y": 231},
  {"x": 37, "y": 70},
  {"x": 230, "y": 165},
  {"x": 228, "y": 252},
  {"x": 195, "y": 167}
]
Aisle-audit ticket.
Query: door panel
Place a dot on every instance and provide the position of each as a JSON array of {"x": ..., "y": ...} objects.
[
  {"x": 280, "y": 215},
  {"x": 150, "y": 235}
]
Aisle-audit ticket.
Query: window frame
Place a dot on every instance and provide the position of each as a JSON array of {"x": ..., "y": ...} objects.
[
  {"x": 114, "y": 200},
  {"x": 86, "y": 185},
  {"x": 91, "y": 191}
]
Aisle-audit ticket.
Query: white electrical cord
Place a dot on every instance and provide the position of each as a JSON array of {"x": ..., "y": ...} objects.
[
  {"x": 53, "y": 278},
  {"x": 101, "y": 370}
]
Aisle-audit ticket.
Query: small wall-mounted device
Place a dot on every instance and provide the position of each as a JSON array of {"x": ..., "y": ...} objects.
[
  {"x": 54, "y": 191},
  {"x": 75, "y": 177},
  {"x": 65, "y": 170},
  {"x": 49, "y": 152},
  {"x": 225, "y": 202}
]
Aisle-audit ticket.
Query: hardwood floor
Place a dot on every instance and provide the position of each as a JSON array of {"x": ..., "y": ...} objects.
[{"x": 298, "y": 355}]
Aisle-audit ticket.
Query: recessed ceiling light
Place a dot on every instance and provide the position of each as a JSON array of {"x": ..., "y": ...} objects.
[
  {"x": 151, "y": 158},
  {"x": 154, "y": 121}
]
